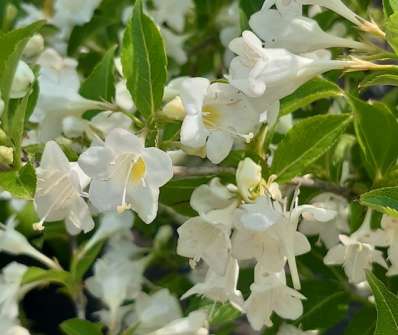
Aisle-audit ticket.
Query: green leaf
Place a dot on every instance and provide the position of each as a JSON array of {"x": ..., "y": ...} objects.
[
  {"x": 21, "y": 184},
  {"x": 380, "y": 79},
  {"x": 384, "y": 200},
  {"x": 100, "y": 84},
  {"x": 80, "y": 327},
  {"x": 316, "y": 89},
  {"x": 363, "y": 322},
  {"x": 12, "y": 46},
  {"x": 377, "y": 130},
  {"x": 80, "y": 265},
  {"x": 391, "y": 29},
  {"x": 144, "y": 61},
  {"x": 390, "y": 7},
  {"x": 250, "y": 7},
  {"x": 386, "y": 305},
  {"x": 305, "y": 143},
  {"x": 324, "y": 298}
]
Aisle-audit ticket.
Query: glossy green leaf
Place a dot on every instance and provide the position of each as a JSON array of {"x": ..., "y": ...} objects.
[
  {"x": 80, "y": 265},
  {"x": 21, "y": 184},
  {"x": 363, "y": 323},
  {"x": 80, "y": 327},
  {"x": 305, "y": 143},
  {"x": 390, "y": 7},
  {"x": 316, "y": 89},
  {"x": 384, "y": 200},
  {"x": 379, "y": 148},
  {"x": 100, "y": 84},
  {"x": 386, "y": 305},
  {"x": 380, "y": 79},
  {"x": 12, "y": 46},
  {"x": 35, "y": 274},
  {"x": 144, "y": 61},
  {"x": 391, "y": 28},
  {"x": 250, "y": 7}
]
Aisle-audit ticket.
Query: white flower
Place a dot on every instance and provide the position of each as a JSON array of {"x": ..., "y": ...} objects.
[
  {"x": 220, "y": 288},
  {"x": 272, "y": 73},
  {"x": 123, "y": 97},
  {"x": 59, "y": 188},
  {"x": 59, "y": 86},
  {"x": 107, "y": 121},
  {"x": 194, "y": 324},
  {"x": 10, "y": 284},
  {"x": 171, "y": 12},
  {"x": 356, "y": 257},
  {"x": 269, "y": 293},
  {"x": 110, "y": 224},
  {"x": 152, "y": 312},
  {"x": 199, "y": 239},
  {"x": 15, "y": 243},
  {"x": 115, "y": 281},
  {"x": 10, "y": 326},
  {"x": 287, "y": 329},
  {"x": 268, "y": 234},
  {"x": 125, "y": 174},
  {"x": 214, "y": 202},
  {"x": 175, "y": 45},
  {"x": 298, "y": 34},
  {"x": 216, "y": 115},
  {"x": 328, "y": 231},
  {"x": 68, "y": 13},
  {"x": 22, "y": 81},
  {"x": 248, "y": 179}
]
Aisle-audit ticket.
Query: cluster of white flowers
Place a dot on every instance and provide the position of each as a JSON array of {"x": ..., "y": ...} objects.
[{"x": 249, "y": 223}]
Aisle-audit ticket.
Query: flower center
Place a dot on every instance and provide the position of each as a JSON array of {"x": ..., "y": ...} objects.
[
  {"x": 138, "y": 171},
  {"x": 211, "y": 116}
]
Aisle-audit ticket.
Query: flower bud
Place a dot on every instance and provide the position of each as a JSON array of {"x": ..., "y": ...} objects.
[
  {"x": 6, "y": 155},
  {"x": 248, "y": 178},
  {"x": 174, "y": 109},
  {"x": 23, "y": 79},
  {"x": 34, "y": 46}
]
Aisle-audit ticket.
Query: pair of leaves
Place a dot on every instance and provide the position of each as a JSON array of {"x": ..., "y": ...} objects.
[
  {"x": 307, "y": 141},
  {"x": 144, "y": 62},
  {"x": 379, "y": 149}
]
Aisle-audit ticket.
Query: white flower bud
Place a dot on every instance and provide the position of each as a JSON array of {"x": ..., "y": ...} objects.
[
  {"x": 174, "y": 109},
  {"x": 24, "y": 77},
  {"x": 248, "y": 177},
  {"x": 34, "y": 46},
  {"x": 6, "y": 155}
]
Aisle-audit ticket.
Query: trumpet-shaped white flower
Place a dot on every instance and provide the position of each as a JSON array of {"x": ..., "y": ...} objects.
[
  {"x": 356, "y": 257},
  {"x": 115, "y": 281},
  {"x": 199, "y": 239},
  {"x": 214, "y": 202},
  {"x": 59, "y": 188},
  {"x": 216, "y": 115},
  {"x": 22, "y": 81},
  {"x": 269, "y": 294},
  {"x": 34, "y": 46},
  {"x": 268, "y": 234},
  {"x": 59, "y": 98},
  {"x": 15, "y": 243},
  {"x": 273, "y": 73},
  {"x": 110, "y": 224},
  {"x": 152, "y": 312},
  {"x": 298, "y": 34},
  {"x": 328, "y": 231},
  {"x": 126, "y": 175},
  {"x": 172, "y": 12},
  {"x": 10, "y": 326},
  {"x": 10, "y": 284},
  {"x": 220, "y": 288},
  {"x": 194, "y": 324}
]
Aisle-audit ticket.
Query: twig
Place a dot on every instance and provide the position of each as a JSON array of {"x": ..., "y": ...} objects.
[{"x": 184, "y": 171}]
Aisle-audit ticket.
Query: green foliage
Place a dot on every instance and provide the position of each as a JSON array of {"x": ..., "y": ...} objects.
[
  {"x": 82, "y": 263},
  {"x": 392, "y": 31},
  {"x": 316, "y": 89},
  {"x": 144, "y": 62},
  {"x": 100, "y": 84},
  {"x": 80, "y": 327},
  {"x": 363, "y": 322},
  {"x": 39, "y": 275},
  {"x": 384, "y": 200},
  {"x": 378, "y": 148},
  {"x": 378, "y": 79},
  {"x": 387, "y": 307},
  {"x": 390, "y": 7},
  {"x": 305, "y": 143},
  {"x": 21, "y": 184}
]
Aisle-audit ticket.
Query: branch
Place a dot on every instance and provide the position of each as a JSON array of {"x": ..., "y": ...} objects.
[{"x": 183, "y": 171}]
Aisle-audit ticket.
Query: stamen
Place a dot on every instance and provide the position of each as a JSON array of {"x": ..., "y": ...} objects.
[{"x": 124, "y": 206}]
